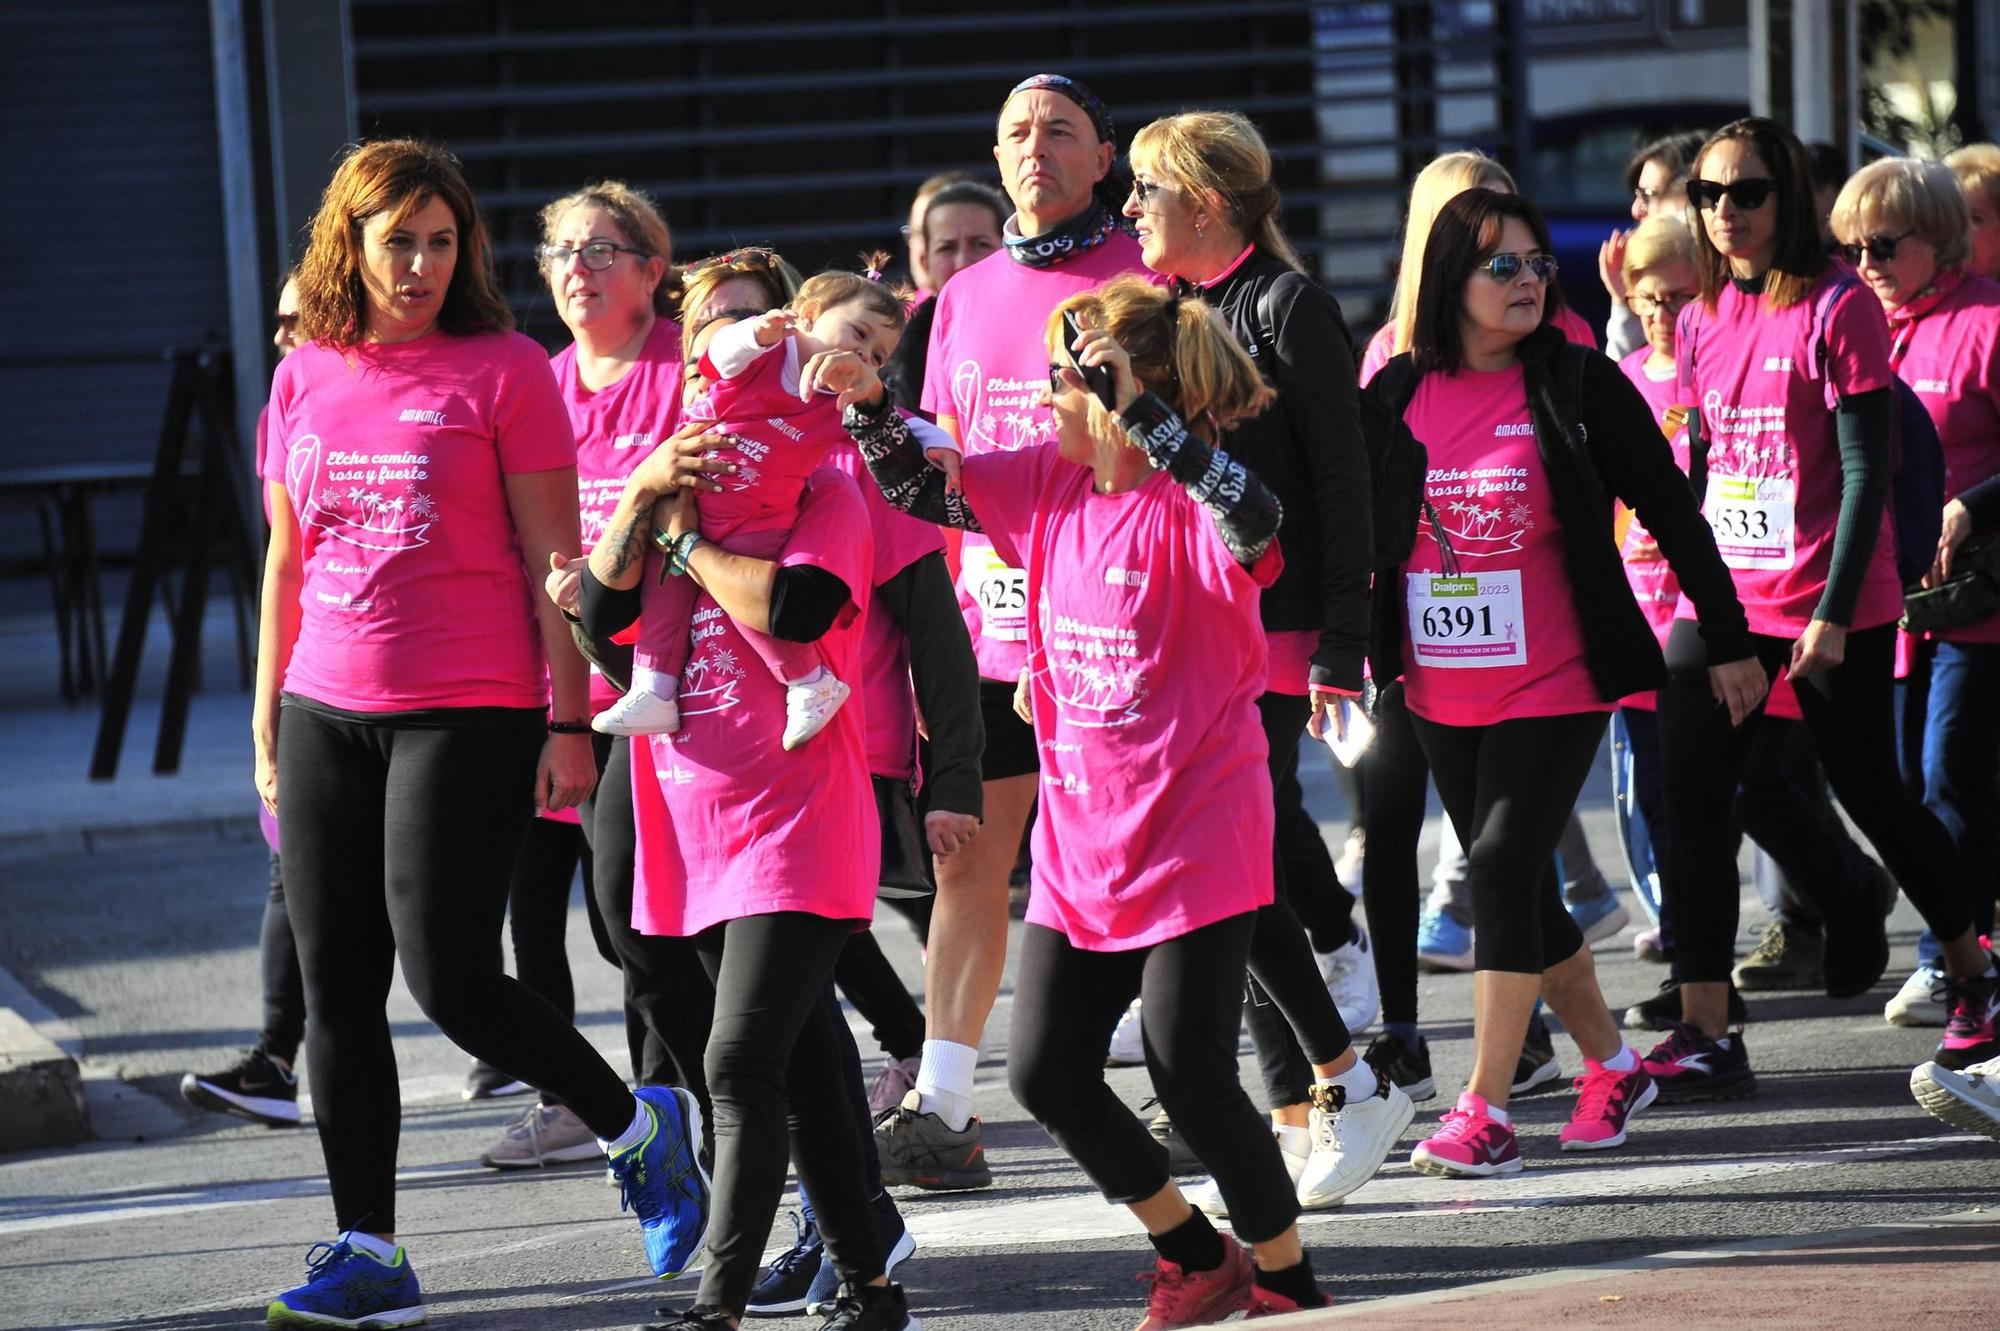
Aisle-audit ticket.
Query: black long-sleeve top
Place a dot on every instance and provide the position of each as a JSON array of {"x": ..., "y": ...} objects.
[
  {"x": 1309, "y": 450},
  {"x": 921, "y": 601},
  {"x": 1619, "y": 453}
]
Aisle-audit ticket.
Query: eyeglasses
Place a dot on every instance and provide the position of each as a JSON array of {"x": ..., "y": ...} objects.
[
  {"x": 1647, "y": 197},
  {"x": 1881, "y": 249},
  {"x": 1507, "y": 267},
  {"x": 1748, "y": 193},
  {"x": 1648, "y": 306},
  {"x": 1144, "y": 190},
  {"x": 597, "y": 255},
  {"x": 1058, "y": 384}
]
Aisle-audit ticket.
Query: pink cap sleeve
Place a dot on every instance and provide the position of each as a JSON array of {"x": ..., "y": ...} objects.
[{"x": 530, "y": 424}]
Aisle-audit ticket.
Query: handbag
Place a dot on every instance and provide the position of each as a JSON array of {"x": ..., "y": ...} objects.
[
  {"x": 1969, "y": 595},
  {"x": 906, "y": 860}
]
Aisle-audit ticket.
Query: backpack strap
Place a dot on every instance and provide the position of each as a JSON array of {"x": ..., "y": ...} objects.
[{"x": 1821, "y": 353}]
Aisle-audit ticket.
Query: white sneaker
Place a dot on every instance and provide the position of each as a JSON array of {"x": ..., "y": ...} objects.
[
  {"x": 897, "y": 1079},
  {"x": 1922, "y": 1001},
  {"x": 1128, "y": 1045},
  {"x": 810, "y": 704},
  {"x": 1968, "y": 1099},
  {"x": 1204, "y": 1196},
  {"x": 545, "y": 1135},
  {"x": 1351, "y": 1140},
  {"x": 639, "y": 712},
  {"x": 1349, "y": 972}
]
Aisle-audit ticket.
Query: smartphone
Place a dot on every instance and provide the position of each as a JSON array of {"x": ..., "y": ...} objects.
[{"x": 1095, "y": 377}]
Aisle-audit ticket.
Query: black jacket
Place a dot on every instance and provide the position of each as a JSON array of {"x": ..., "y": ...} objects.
[
  {"x": 1308, "y": 449},
  {"x": 1613, "y": 449}
]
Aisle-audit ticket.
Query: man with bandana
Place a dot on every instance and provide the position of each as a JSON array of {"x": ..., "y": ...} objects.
[{"x": 985, "y": 383}]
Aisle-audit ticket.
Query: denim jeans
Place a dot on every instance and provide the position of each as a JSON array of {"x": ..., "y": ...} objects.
[{"x": 1961, "y": 757}]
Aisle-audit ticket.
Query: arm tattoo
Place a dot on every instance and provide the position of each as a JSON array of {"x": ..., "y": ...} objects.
[{"x": 629, "y": 541}]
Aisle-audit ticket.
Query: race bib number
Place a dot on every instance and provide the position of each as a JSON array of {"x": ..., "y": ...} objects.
[
  {"x": 1752, "y": 519},
  {"x": 1468, "y": 622},
  {"x": 1002, "y": 593}
]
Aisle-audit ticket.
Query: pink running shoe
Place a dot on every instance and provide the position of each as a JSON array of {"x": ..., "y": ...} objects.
[
  {"x": 1605, "y": 1101},
  {"x": 1270, "y": 1303},
  {"x": 1969, "y": 1033},
  {"x": 1471, "y": 1144},
  {"x": 1196, "y": 1298}
]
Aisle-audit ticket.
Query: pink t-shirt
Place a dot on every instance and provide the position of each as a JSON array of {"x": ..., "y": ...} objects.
[
  {"x": 1502, "y": 639},
  {"x": 1652, "y": 581},
  {"x": 1381, "y": 347},
  {"x": 616, "y": 427},
  {"x": 728, "y": 823},
  {"x": 395, "y": 456},
  {"x": 1148, "y": 656},
  {"x": 900, "y": 541},
  {"x": 1773, "y": 493},
  {"x": 1950, "y": 356},
  {"x": 987, "y": 368},
  {"x": 1291, "y": 652}
]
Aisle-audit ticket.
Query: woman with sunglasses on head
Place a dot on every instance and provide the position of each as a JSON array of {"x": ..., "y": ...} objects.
[
  {"x": 402, "y": 722},
  {"x": 1514, "y": 632},
  {"x": 1208, "y": 216},
  {"x": 1147, "y": 550},
  {"x": 1788, "y": 367},
  {"x": 1905, "y": 227}
]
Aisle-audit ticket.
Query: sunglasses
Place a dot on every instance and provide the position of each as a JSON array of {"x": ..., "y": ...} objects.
[
  {"x": 1748, "y": 193},
  {"x": 1507, "y": 267},
  {"x": 1881, "y": 249}
]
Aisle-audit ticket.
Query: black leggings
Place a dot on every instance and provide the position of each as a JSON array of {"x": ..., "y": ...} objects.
[
  {"x": 666, "y": 989},
  {"x": 775, "y": 1073},
  {"x": 1397, "y": 781},
  {"x": 538, "y": 910},
  {"x": 880, "y": 996},
  {"x": 1066, "y": 1002},
  {"x": 1850, "y": 712},
  {"x": 398, "y": 840},
  {"x": 1293, "y": 1021},
  {"x": 1509, "y": 789},
  {"x": 284, "y": 987}
]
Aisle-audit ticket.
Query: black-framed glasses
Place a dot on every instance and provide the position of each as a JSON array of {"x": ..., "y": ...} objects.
[
  {"x": 1507, "y": 267},
  {"x": 1882, "y": 249},
  {"x": 1647, "y": 306},
  {"x": 597, "y": 255},
  {"x": 1747, "y": 193},
  {"x": 1145, "y": 190}
]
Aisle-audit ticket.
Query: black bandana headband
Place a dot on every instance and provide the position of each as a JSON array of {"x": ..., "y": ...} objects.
[{"x": 1085, "y": 99}]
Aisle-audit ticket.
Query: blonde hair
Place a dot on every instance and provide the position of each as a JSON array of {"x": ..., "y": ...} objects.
[
  {"x": 1444, "y": 179},
  {"x": 639, "y": 222},
  {"x": 1977, "y": 166},
  {"x": 1658, "y": 243},
  {"x": 1904, "y": 194},
  {"x": 1220, "y": 155},
  {"x": 1180, "y": 349}
]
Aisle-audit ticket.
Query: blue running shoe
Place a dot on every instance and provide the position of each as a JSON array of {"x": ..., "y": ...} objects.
[
  {"x": 352, "y": 1288},
  {"x": 785, "y": 1283},
  {"x": 662, "y": 1181},
  {"x": 1600, "y": 917},
  {"x": 898, "y": 1245},
  {"x": 1443, "y": 944}
]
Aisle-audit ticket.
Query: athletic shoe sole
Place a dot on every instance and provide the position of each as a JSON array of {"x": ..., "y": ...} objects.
[
  {"x": 1947, "y": 1105},
  {"x": 1539, "y": 1079},
  {"x": 1420, "y": 1091},
  {"x": 279, "y": 1315},
  {"x": 1932, "y": 1015},
  {"x": 1436, "y": 1168},
  {"x": 1646, "y": 1097},
  {"x": 562, "y": 1155},
  {"x": 267, "y": 1110},
  {"x": 500, "y": 1092},
  {"x": 1736, "y": 1088}
]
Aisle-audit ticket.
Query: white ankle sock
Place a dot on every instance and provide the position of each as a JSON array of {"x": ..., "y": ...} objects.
[
  {"x": 944, "y": 1082},
  {"x": 1292, "y": 1141},
  {"x": 808, "y": 679},
  {"x": 1624, "y": 1060},
  {"x": 371, "y": 1245},
  {"x": 645, "y": 679},
  {"x": 1358, "y": 1081},
  {"x": 642, "y": 1123}
]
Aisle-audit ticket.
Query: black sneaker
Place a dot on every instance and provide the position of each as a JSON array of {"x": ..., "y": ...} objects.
[
  {"x": 1662, "y": 1012},
  {"x": 701, "y": 1317},
  {"x": 1688, "y": 1066},
  {"x": 1857, "y": 949},
  {"x": 1787, "y": 957},
  {"x": 784, "y": 1284},
  {"x": 869, "y": 1308},
  {"x": 1537, "y": 1069},
  {"x": 919, "y": 1151},
  {"x": 1181, "y": 1159},
  {"x": 256, "y": 1088},
  {"x": 1407, "y": 1067},
  {"x": 486, "y": 1082}
]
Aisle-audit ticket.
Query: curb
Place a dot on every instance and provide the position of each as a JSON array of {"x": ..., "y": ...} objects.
[
  {"x": 41, "y": 1090},
  {"x": 113, "y": 838}
]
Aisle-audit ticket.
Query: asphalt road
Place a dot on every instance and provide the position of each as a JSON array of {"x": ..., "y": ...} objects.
[{"x": 145, "y": 952}]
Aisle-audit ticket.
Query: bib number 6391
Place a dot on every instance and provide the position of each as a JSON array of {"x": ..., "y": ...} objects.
[{"x": 1467, "y": 622}]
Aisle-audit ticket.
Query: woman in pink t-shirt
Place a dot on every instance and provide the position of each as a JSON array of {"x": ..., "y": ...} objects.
[
  {"x": 1905, "y": 226},
  {"x": 1787, "y": 362},
  {"x": 1515, "y": 633},
  {"x": 1145, "y": 552},
  {"x": 402, "y": 719}
]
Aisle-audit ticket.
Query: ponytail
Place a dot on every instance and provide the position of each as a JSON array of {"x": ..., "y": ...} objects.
[{"x": 1180, "y": 350}]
